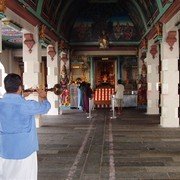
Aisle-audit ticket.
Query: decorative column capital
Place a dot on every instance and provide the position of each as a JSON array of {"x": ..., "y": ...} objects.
[
  {"x": 143, "y": 56},
  {"x": 153, "y": 50},
  {"x": 2, "y": 6},
  {"x": 63, "y": 46},
  {"x": 159, "y": 32},
  {"x": 51, "y": 52},
  {"x": 171, "y": 39},
  {"x": 64, "y": 58},
  {"x": 2, "y": 9},
  {"x": 144, "y": 45},
  {"x": 42, "y": 32},
  {"x": 29, "y": 41},
  {"x": 158, "y": 27}
]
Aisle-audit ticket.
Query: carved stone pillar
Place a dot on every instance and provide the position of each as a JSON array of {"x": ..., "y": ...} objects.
[
  {"x": 53, "y": 77},
  {"x": 170, "y": 78},
  {"x": 32, "y": 60},
  {"x": 142, "y": 79},
  {"x": 0, "y": 36},
  {"x": 92, "y": 72},
  {"x": 152, "y": 78}
]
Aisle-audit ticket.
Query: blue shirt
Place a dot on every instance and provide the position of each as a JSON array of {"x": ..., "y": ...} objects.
[{"x": 18, "y": 135}]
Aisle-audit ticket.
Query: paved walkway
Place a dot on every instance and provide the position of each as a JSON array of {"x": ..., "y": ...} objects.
[{"x": 132, "y": 146}]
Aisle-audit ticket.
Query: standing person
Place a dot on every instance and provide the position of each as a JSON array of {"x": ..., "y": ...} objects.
[
  {"x": 18, "y": 135},
  {"x": 87, "y": 95},
  {"x": 119, "y": 92},
  {"x": 82, "y": 90},
  {"x": 78, "y": 82},
  {"x": 73, "y": 95}
]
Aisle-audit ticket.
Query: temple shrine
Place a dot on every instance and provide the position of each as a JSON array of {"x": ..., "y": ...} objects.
[
  {"x": 97, "y": 42},
  {"x": 78, "y": 51}
]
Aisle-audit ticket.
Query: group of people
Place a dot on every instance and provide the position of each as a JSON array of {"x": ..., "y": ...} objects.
[
  {"x": 85, "y": 92},
  {"x": 80, "y": 92}
]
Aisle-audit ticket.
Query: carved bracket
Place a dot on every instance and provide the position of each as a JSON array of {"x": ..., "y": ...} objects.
[
  {"x": 51, "y": 52},
  {"x": 63, "y": 45},
  {"x": 2, "y": 6},
  {"x": 143, "y": 56},
  {"x": 159, "y": 27},
  {"x": 144, "y": 45},
  {"x": 42, "y": 32},
  {"x": 153, "y": 50},
  {"x": 64, "y": 58},
  {"x": 171, "y": 39},
  {"x": 29, "y": 41}
]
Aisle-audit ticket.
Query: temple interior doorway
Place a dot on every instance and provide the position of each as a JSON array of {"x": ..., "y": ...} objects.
[{"x": 104, "y": 72}]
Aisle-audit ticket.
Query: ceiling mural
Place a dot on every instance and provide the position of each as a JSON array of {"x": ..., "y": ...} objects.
[
  {"x": 11, "y": 37},
  {"x": 71, "y": 14},
  {"x": 117, "y": 29},
  {"x": 136, "y": 19},
  {"x": 110, "y": 18},
  {"x": 85, "y": 20}
]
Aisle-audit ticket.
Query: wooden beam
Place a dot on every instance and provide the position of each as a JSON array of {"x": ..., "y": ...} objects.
[{"x": 14, "y": 6}]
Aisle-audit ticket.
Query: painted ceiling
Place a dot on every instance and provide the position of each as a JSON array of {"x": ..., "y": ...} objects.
[
  {"x": 84, "y": 21},
  {"x": 11, "y": 37}
]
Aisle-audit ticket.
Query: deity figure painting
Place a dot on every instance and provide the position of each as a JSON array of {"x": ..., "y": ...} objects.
[
  {"x": 128, "y": 31},
  {"x": 123, "y": 30},
  {"x": 117, "y": 30},
  {"x": 103, "y": 41},
  {"x": 142, "y": 90},
  {"x": 64, "y": 84},
  {"x": 82, "y": 30}
]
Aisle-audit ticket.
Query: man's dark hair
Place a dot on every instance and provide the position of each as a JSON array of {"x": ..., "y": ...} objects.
[
  {"x": 12, "y": 82},
  {"x": 119, "y": 81}
]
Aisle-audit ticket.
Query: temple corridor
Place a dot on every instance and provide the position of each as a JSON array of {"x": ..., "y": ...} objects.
[{"x": 133, "y": 146}]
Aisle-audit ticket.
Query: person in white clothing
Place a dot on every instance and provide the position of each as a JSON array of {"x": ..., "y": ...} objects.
[
  {"x": 119, "y": 92},
  {"x": 18, "y": 134}
]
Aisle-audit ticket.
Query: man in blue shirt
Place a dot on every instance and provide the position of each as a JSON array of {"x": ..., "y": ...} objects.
[{"x": 18, "y": 135}]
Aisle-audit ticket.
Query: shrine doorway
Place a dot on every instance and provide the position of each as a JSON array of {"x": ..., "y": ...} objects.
[
  {"x": 105, "y": 79},
  {"x": 105, "y": 73}
]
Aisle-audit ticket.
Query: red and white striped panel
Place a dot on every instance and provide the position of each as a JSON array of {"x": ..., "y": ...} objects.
[{"x": 104, "y": 95}]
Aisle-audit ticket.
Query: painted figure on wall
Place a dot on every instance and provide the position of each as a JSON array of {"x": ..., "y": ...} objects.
[
  {"x": 81, "y": 29},
  {"x": 103, "y": 41},
  {"x": 109, "y": 17},
  {"x": 73, "y": 95},
  {"x": 64, "y": 83},
  {"x": 142, "y": 90},
  {"x": 117, "y": 30},
  {"x": 128, "y": 31}
]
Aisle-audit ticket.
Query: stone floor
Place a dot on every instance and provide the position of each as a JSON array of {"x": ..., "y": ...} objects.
[{"x": 132, "y": 146}]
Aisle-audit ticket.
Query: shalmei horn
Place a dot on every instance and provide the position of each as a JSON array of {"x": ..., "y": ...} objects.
[{"x": 56, "y": 89}]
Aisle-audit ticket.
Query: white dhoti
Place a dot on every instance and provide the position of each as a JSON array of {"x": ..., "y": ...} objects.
[{"x": 23, "y": 169}]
